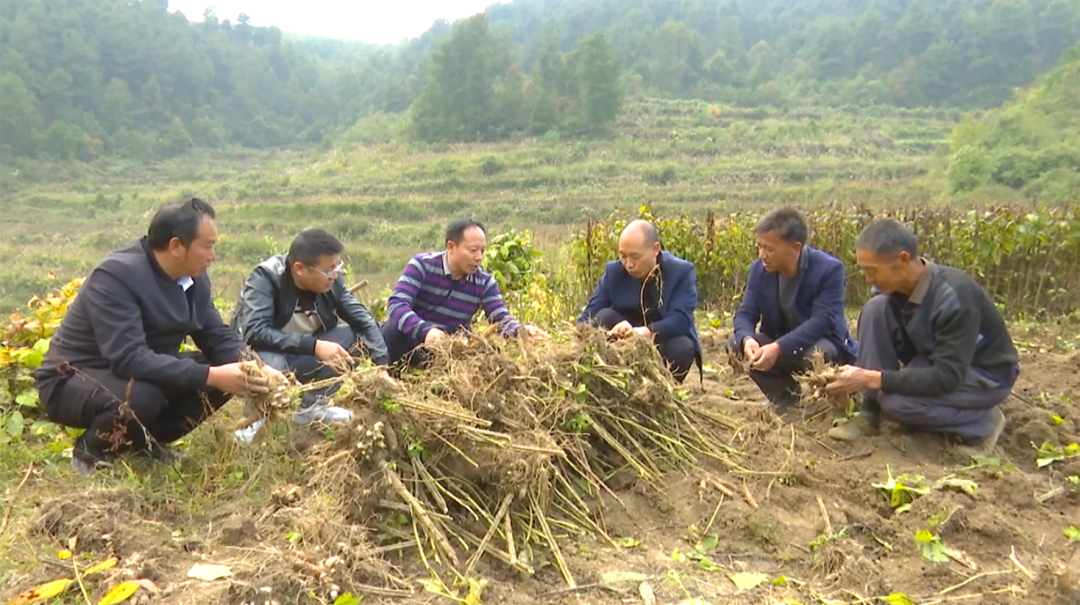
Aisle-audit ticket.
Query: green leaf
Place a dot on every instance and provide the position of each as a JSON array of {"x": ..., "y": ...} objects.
[
  {"x": 707, "y": 543},
  {"x": 31, "y": 359},
  {"x": 294, "y": 537},
  {"x": 15, "y": 424},
  {"x": 930, "y": 547},
  {"x": 28, "y": 398},
  {"x": 707, "y": 564},
  {"x": 747, "y": 580},
  {"x": 898, "y": 598},
  {"x": 1057, "y": 419},
  {"x": 627, "y": 542},
  {"x": 42, "y": 346},
  {"x": 348, "y": 599},
  {"x": 1072, "y": 533}
]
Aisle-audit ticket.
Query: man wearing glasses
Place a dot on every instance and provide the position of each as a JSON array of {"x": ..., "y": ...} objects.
[{"x": 288, "y": 313}]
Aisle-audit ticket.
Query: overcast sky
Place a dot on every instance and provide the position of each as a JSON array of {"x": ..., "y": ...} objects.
[{"x": 379, "y": 21}]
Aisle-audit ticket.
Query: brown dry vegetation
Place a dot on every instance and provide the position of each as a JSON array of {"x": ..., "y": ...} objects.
[{"x": 308, "y": 515}]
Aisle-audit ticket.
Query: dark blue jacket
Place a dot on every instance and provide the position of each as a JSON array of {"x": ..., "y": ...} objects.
[
  {"x": 621, "y": 291},
  {"x": 819, "y": 301}
]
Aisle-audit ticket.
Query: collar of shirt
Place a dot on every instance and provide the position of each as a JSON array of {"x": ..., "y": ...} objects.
[
  {"x": 185, "y": 283},
  {"x": 918, "y": 295}
]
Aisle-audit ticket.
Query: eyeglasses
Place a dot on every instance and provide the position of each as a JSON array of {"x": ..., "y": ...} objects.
[{"x": 336, "y": 270}]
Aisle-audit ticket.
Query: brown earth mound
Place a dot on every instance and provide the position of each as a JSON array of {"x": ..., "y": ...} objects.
[{"x": 530, "y": 474}]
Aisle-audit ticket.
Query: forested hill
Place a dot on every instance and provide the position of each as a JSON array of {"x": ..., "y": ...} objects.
[
  {"x": 81, "y": 78},
  {"x": 967, "y": 53},
  {"x": 87, "y": 78},
  {"x": 1031, "y": 144}
]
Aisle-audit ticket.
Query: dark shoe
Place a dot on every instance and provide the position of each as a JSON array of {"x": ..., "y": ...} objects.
[
  {"x": 164, "y": 453},
  {"x": 985, "y": 446},
  {"x": 853, "y": 429},
  {"x": 161, "y": 453},
  {"x": 82, "y": 467}
]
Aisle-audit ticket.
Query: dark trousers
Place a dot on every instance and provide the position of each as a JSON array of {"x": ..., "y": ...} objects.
[
  {"x": 679, "y": 351},
  {"x": 967, "y": 412},
  {"x": 404, "y": 350},
  {"x": 308, "y": 368},
  {"x": 778, "y": 383},
  {"x": 91, "y": 399}
]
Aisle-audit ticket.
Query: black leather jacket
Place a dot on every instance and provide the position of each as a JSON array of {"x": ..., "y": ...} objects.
[{"x": 268, "y": 301}]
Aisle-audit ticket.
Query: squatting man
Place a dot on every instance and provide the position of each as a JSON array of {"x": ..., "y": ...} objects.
[{"x": 934, "y": 351}]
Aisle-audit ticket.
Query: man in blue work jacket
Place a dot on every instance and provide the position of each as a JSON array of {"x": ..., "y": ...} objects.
[
  {"x": 796, "y": 293},
  {"x": 649, "y": 293}
]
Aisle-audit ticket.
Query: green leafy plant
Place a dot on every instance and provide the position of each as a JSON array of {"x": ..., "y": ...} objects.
[
  {"x": 930, "y": 546},
  {"x": 902, "y": 491},
  {"x": 1072, "y": 533},
  {"x": 1049, "y": 453}
]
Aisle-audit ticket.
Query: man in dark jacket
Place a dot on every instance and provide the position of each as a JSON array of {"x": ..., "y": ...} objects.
[
  {"x": 649, "y": 293},
  {"x": 934, "y": 352},
  {"x": 114, "y": 366},
  {"x": 797, "y": 294},
  {"x": 288, "y": 313}
]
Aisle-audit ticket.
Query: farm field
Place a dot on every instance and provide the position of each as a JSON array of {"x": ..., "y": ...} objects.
[
  {"x": 708, "y": 497},
  {"x": 387, "y": 201}
]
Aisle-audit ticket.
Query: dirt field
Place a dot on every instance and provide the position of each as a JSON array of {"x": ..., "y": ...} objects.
[{"x": 803, "y": 513}]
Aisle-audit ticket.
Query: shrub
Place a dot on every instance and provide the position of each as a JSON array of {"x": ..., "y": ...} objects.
[
  {"x": 492, "y": 166},
  {"x": 969, "y": 168}
]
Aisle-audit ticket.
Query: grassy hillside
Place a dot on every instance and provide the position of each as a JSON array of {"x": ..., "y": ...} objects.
[{"x": 389, "y": 200}]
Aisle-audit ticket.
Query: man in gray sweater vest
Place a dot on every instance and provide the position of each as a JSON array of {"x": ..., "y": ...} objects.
[{"x": 934, "y": 352}]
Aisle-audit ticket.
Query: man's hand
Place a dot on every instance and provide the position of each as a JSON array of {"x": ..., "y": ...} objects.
[
  {"x": 534, "y": 332},
  {"x": 433, "y": 336},
  {"x": 643, "y": 331},
  {"x": 849, "y": 379},
  {"x": 390, "y": 381},
  {"x": 621, "y": 330},
  {"x": 232, "y": 379},
  {"x": 275, "y": 376},
  {"x": 333, "y": 354},
  {"x": 765, "y": 358},
  {"x": 750, "y": 348}
]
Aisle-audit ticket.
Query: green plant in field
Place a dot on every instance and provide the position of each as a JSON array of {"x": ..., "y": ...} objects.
[
  {"x": 1049, "y": 453},
  {"x": 512, "y": 260},
  {"x": 930, "y": 546},
  {"x": 902, "y": 491},
  {"x": 24, "y": 340}
]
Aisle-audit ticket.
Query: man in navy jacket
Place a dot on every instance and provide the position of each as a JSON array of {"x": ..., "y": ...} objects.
[
  {"x": 649, "y": 293},
  {"x": 797, "y": 295}
]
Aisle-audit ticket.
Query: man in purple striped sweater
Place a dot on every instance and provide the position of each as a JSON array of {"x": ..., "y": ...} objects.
[{"x": 440, "y": 292}]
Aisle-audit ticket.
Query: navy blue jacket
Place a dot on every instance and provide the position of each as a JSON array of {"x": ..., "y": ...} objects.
[
  {"x": 819, "y": 301},
  {"x": 621, "y": 292}
]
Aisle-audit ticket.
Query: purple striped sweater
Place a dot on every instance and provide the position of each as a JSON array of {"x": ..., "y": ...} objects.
[{"x": 427, "y": 296}]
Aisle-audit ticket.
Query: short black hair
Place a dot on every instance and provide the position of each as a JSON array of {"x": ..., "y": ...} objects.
[
  {"x": 786, "y": 222},
  {"x": 888, "y": 237},
  {"x": 311, "y": 244},
  {"x": 456, "y": 231},
  {"x": 180, "y": 219}
]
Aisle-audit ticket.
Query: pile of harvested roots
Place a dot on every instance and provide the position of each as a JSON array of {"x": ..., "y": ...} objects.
[{"x": 500, "y": 443}]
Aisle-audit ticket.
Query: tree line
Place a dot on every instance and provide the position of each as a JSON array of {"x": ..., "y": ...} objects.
[{"x": 85, "y": 78}]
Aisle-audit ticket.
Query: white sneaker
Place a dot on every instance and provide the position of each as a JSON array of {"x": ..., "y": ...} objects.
[
  {"x": 325, "y": 414},
  {"x": 246, "y": 435}
]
